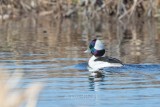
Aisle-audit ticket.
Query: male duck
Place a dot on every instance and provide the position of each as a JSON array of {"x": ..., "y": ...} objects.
[{"x": 98, "y": 60}]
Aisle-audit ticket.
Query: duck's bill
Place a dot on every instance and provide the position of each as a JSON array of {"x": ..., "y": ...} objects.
[{"x": 87, "y": 51}]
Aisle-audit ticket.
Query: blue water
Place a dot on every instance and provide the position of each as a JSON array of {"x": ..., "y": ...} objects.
[
  {"x": 52, "y": 52},
  {"x": 67, "y": 83}
]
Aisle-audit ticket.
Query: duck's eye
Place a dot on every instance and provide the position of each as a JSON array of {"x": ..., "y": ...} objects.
[{"x": 92, "y": 44}]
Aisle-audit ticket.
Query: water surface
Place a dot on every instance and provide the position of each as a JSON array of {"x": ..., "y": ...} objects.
[{"x": 52, "y": 52}]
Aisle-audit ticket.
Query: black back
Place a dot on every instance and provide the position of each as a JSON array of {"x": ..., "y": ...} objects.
[{"x": 108, "y": 59}]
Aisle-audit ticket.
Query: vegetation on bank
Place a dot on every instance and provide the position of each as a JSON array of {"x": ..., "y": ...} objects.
[{"x": 87, "y": 8}]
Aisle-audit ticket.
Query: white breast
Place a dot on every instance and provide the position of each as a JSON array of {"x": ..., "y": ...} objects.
[{"x": 96, "y": 65}]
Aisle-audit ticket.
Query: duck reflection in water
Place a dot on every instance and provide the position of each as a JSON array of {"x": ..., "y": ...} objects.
[{"x": 95, "y": 80}]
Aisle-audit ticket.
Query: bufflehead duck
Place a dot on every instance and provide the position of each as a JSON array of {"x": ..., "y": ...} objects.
[{"x": 98, "y": 61}]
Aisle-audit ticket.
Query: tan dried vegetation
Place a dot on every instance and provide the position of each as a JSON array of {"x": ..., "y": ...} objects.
[
  {"x": 89, "y": 8},
  {"x": 12, "y": 96}
]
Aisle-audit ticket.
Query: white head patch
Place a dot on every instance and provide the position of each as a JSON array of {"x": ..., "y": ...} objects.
[{"x": 99, "y": 45}]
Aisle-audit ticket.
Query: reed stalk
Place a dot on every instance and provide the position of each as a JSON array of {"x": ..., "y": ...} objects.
[
  {"x": 11, "y": 96},
  {"x": 90, "y": 8}
]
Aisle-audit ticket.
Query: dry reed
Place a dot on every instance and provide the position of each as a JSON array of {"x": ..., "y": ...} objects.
[
  {"x": 11, "y": 96},
  {"x": 90, "y": 8}
]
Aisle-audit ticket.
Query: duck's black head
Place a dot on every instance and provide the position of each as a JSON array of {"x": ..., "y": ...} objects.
[{"x": 97, "y": 48}]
